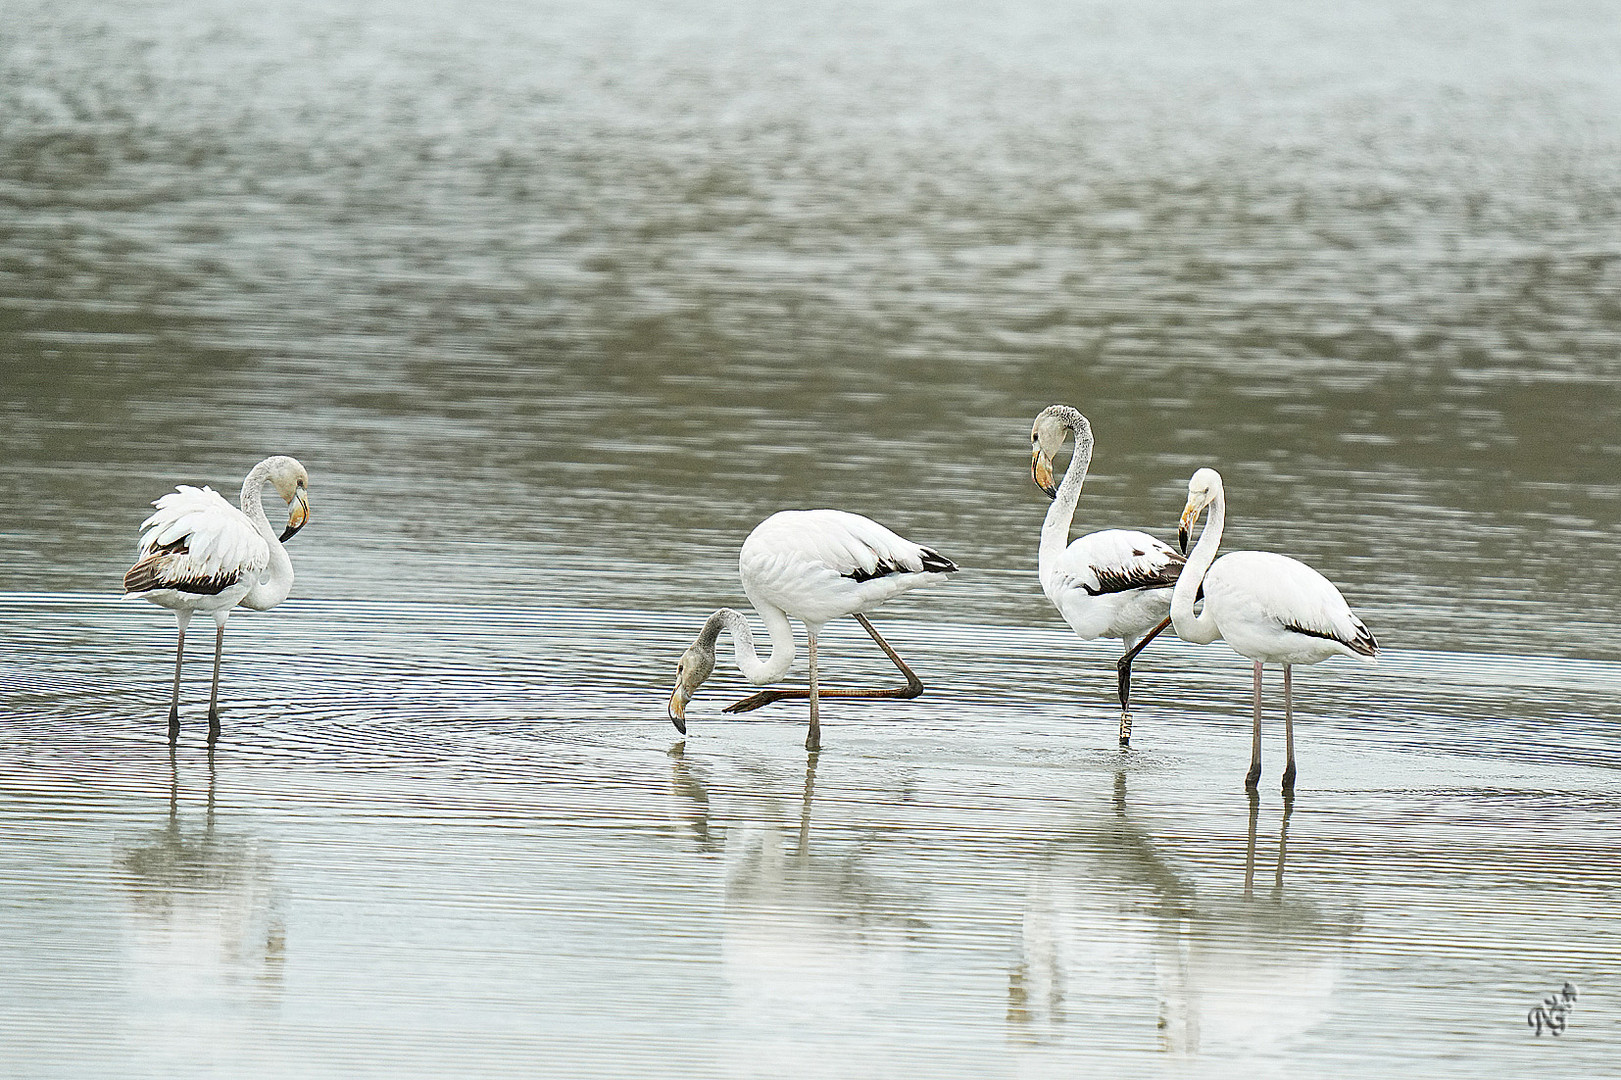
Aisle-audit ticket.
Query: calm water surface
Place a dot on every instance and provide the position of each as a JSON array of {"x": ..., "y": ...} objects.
[{"x": 556, "y": 301}]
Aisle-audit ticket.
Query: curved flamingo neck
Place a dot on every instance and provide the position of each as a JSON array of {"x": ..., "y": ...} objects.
[
  {"x": 1061, "y": 514},
  {"x": 757, "y": 671},
  {"x": 276, "y": 582},
  {"x": 1199, "y": 629},
  {"x": 252, "y": 500}
]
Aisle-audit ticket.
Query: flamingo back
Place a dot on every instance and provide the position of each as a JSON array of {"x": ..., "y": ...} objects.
[
  {"x": 1114, "y": 583},
  {"x": 196, "y": 542},
  {"x": 1275, "y": 609},
  {"x": 819, "y": 565}
]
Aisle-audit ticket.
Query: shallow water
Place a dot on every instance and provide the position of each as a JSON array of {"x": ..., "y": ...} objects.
[
  {"x": 557, "y": 301},
  {"x": 516, "y": 867}
]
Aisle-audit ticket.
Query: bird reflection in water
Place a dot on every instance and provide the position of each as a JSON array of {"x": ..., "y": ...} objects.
[
  {"x": 1110, "y": 915},
  {"x": 691, "y": 800},
  {"x": 1283, "y": 846},
  {"x": 809, "y": 934},
  {"x": 204, "y": 919}
]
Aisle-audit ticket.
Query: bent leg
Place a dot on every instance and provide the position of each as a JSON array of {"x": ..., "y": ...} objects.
[
  {"x": 1123, "y": 667},
  {"x": 913, "y": 687}
]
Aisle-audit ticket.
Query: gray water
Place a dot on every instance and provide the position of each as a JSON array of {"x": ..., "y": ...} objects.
[{"x": 556, "y": 301}]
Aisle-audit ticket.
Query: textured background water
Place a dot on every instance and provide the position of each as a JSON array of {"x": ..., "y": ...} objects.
[{"x": 557, "y": 300}]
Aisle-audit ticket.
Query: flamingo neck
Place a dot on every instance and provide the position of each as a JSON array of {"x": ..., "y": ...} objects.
[
  {"x": 1060, "y": 515},
  {"x": 276, "y": 582},
  {"x": 757, "y": 671},
  {"x": 1200, "y": 629}
]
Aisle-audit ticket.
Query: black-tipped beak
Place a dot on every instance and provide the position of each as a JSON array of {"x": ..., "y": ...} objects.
[
  {"x": 677, "y": 709},
  {"x": 1190, "y": 518},
  {"x": 299, "y": 515},
  {"x": 1041, "y": 472}
]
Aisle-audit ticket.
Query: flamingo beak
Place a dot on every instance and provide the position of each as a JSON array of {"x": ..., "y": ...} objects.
[
  {"x": 300, "y": 514},
  {"x": 678, "y": 708},
  {"x": 1190, "y": 517},
  {"x": 1041, "y": 471}
]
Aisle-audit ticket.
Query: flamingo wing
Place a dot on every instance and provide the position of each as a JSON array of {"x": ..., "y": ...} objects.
[
  {"x": 1118, "y": 560},
  {"x": 820, "y": 564},
  {"x": 1266, "y": 588},
  {"x": 196, "y": 542}
]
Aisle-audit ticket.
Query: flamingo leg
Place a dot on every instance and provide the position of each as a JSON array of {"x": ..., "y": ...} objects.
[
  {"x": 214, "y": 692},
  {"x": 913, "y": 687},
  {"x": 1253, "y": 777},
  {"x": 174, "y": 698},
  {"x": 813, "y": 737},
  {"x": 1123, "y": 666},
  {"x": 1288, "y": 732}
]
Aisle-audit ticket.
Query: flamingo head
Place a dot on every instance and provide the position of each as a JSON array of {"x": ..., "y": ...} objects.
[
  {"x": 691, "y": 670},
  {"x": 1047, "y": 436},
  {"x": 1204, "y": 488},
  {"x": 292, "y": 483}
]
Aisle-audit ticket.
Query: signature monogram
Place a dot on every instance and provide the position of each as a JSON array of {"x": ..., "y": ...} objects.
[{"x": 1553, "y": 1011}]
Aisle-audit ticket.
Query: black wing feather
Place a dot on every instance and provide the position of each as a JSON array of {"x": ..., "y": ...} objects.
[
  {"x": 147, "y": 573},
  {"x": 933, "y": 563},
  {"x": 1363, "y": 643},
  {"x": 1113, "y": 580}
]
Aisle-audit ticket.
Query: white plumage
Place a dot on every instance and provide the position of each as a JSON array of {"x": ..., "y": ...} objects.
[
  {"x": 1278, "y": 610},
  {"x": 814, "y": 566},
  {"x": 213, "y": 543},
  {"x": 1268, "y": 607},
  {"x": 1115, "y": 583},
  {"x": 198, "y": 553},
  {"x": 1110, "y": 584},
  {"x": 819, "y": 565}
]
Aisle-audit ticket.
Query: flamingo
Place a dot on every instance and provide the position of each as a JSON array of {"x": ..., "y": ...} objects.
[
  {"x": 1267, "y": 607},
  {"x": 200, "y": 553},
  {"x": 1110, "y": 584},
  {"x": 814, "y": 566}
]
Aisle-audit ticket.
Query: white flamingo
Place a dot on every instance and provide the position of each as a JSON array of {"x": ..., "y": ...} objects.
[
  {"x": 815, "y": 566},
  {"x": 1110, "y": 584},
  {"x": 1268, "y": 607},
  {"x": 200, "y": 553}
]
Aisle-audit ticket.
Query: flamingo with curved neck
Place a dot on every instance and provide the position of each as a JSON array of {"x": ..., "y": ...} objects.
[
  {"x": 1114, "y": 583},
  {"x": 1268, "y": 607},
  {"x": 816, "y": 566},
  {"x": 200, "y": 553}
]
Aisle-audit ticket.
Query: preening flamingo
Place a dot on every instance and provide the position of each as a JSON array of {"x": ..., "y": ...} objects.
[
  {"x": 200, "y": 553},
  {"x": 1268, "y": 607}
]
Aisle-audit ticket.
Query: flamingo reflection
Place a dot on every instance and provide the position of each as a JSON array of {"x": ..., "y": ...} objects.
[
  {"x": 810, "y": 935},
  {"x": 204, "y": 920},
  {"x": 1114, "y": 933}
]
